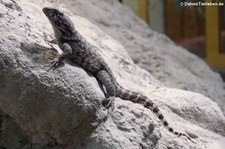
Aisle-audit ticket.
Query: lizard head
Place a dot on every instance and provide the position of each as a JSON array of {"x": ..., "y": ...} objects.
[{"x": 61, "y": 24}]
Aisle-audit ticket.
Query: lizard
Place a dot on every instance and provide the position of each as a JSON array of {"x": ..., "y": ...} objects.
[{"x": 77, "y": 49}]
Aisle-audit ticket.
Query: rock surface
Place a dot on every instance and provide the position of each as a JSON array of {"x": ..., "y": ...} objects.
[
  {"x": 172, "y": 65},
  {"x": 62, "y": 108}
]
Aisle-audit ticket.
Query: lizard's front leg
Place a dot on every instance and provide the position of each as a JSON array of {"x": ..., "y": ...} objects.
[{"x": 67, "y": 50}]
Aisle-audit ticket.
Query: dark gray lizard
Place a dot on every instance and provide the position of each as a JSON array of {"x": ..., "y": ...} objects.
[{"x": 79, "y": 50}]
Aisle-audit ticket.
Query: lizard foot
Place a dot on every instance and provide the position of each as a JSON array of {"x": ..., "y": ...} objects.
[
  {"x": 108, "y": 103},
  {"x": 54, "y": 64}
]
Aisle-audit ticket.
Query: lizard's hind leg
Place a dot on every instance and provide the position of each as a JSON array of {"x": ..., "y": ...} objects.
[
  {"x": 109, "y": 90},
  {"x": 107, "y": 101}
]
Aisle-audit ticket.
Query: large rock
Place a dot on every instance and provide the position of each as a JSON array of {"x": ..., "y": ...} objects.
[
  {"x": 172, "y": 65},
  {"x": 62, "y": 108},
  {"x": 49, "y": 107}
]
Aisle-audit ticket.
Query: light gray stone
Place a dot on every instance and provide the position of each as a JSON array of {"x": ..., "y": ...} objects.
[
  {"x": 174, "y": 66},
  {"x": 62, "y": 108}
]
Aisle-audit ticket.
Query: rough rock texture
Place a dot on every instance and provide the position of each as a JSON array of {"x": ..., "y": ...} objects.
[
  {"x": 62, "y": 108},
  {"x": 49, "y": 107},
  {"x": 172, "y": 65}
]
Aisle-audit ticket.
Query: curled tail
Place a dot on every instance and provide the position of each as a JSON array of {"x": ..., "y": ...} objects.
[{"x": 138, "y": 98}]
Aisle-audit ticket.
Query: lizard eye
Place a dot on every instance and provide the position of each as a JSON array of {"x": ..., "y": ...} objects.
[{"x": 58, "y": 15}]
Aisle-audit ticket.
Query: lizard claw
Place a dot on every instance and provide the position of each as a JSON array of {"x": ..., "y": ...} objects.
[
  {"x": 108, "y": 103},
  {"x": 53, "y": 63}
]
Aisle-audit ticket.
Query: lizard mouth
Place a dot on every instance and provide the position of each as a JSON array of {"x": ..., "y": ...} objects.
[
  {"x": 52, "y": 14},
  {"x": 47, "y": 10}
]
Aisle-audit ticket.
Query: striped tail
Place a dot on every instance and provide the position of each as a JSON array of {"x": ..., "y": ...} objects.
[{"x": 138, "y": 98}]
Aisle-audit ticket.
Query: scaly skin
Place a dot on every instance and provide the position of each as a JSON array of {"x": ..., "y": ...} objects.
[{"x": 77, "y": 49}]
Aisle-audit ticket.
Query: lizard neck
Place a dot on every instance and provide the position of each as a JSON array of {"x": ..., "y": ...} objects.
[
  {"x": 74, "y": 35},
  {"x": 63, "y": 35}
]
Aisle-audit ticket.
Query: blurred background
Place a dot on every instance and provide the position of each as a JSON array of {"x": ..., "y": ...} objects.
[{"x": 200, "y": 29}]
